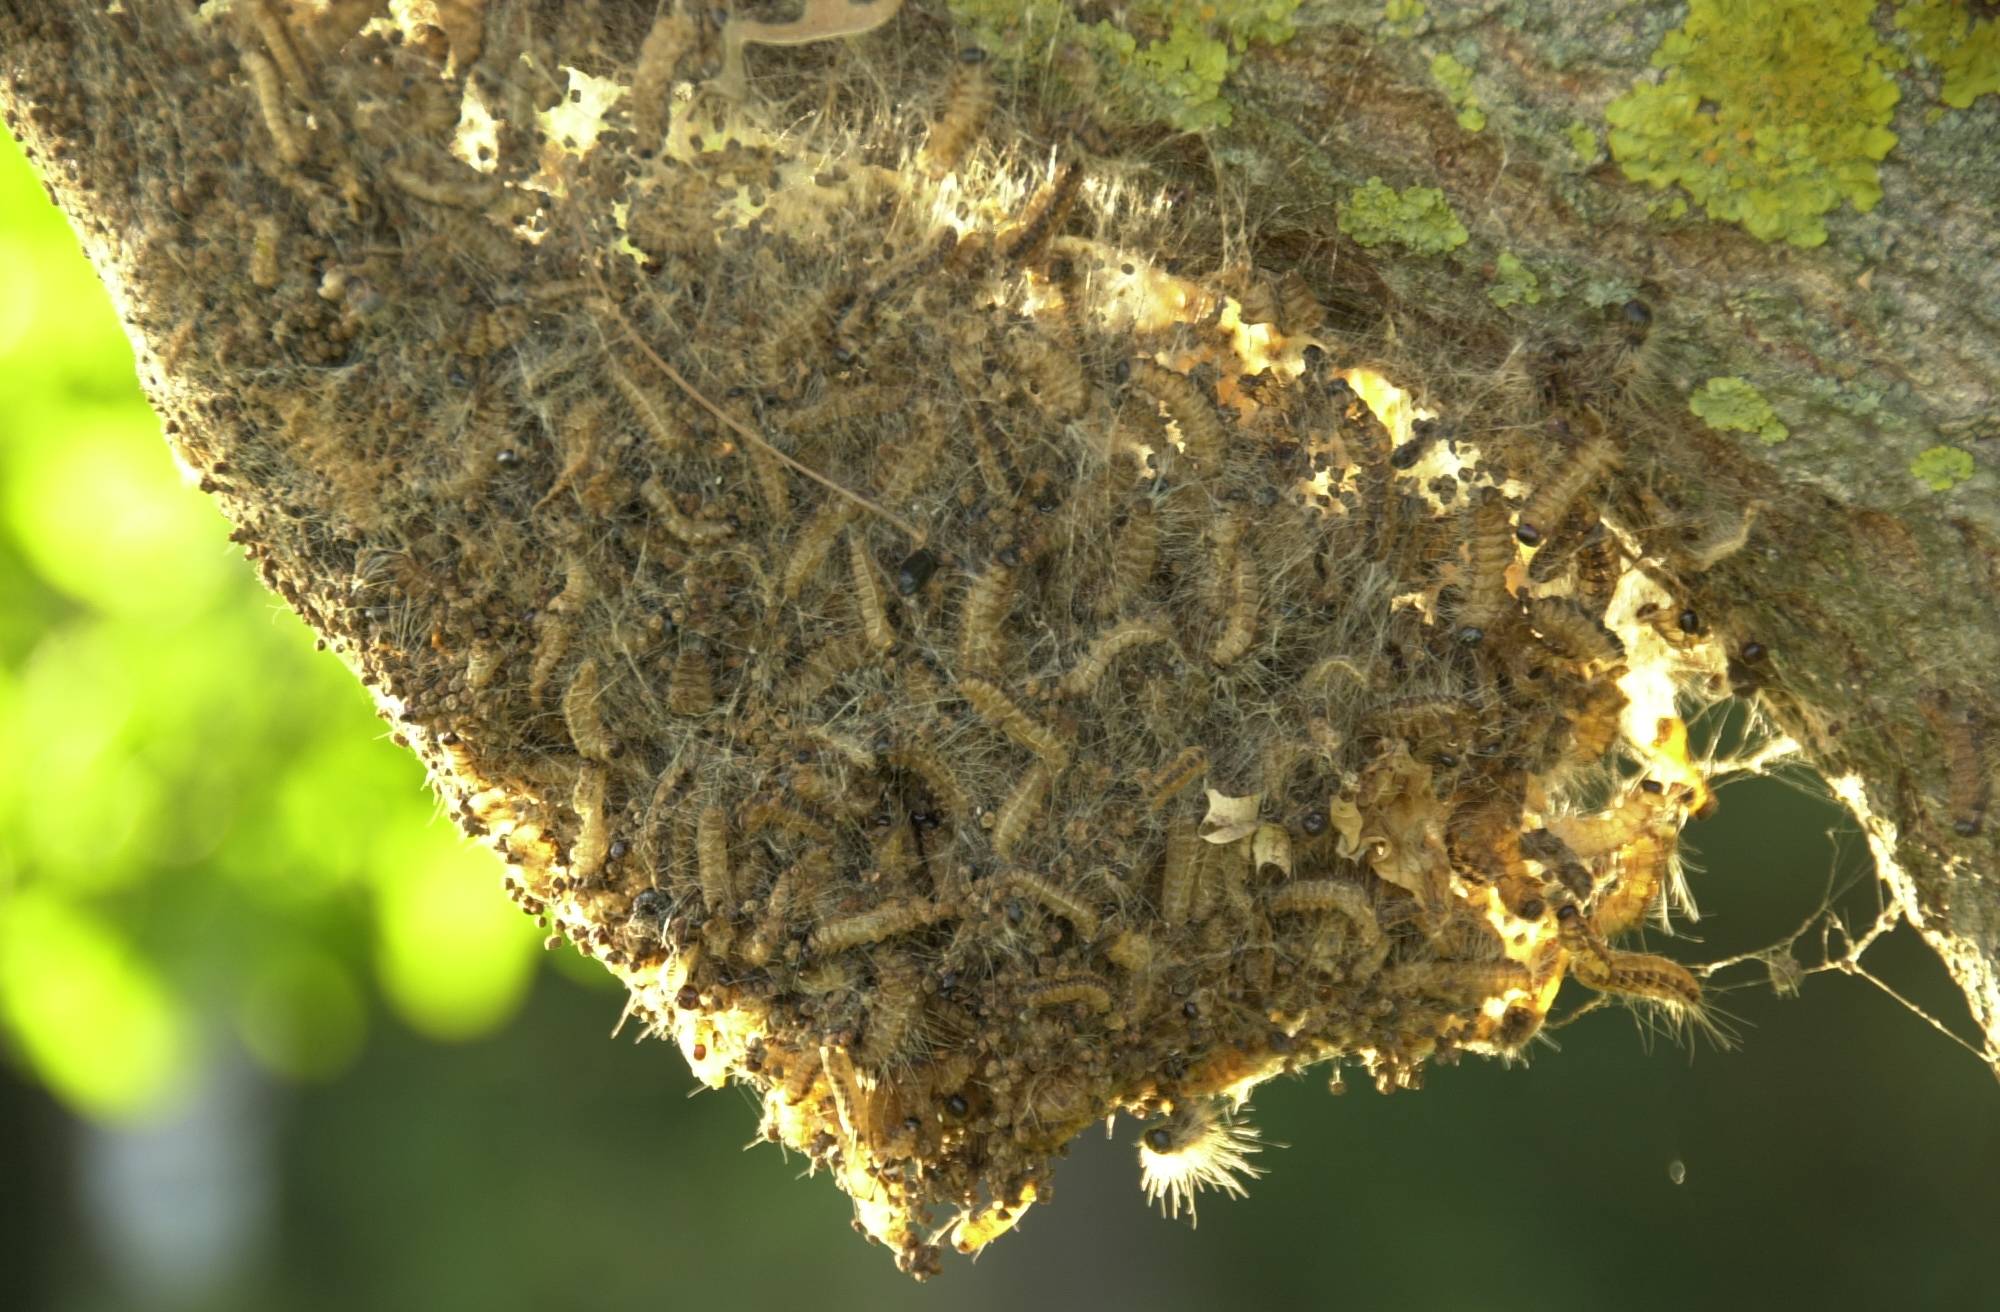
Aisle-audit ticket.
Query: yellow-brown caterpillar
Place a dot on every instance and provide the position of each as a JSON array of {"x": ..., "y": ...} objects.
[
  {"x": 981, "y": 615},
  {"x": 718, "y": 886},
  {"x": 1085, "y": 989},
  {"x": 580, "y": 712},
  {"x": 1179, "y": 871},
  {"x": 967, "y": 103},
  {"x": 1551, "y": 501},
  {"x": 1020, "y": 810},
  {"x": 892, "y": 918},
  {"x": 670, "y": 37},
  {"x": 868, "y": 598},
  {"x": 1192, "y": 411},
  {"x": 1966, "y": 773},
  {"x": 1045, "y": 214},
  {"x": 651, "y": 417},
  {"x": 1485, "y": 602},
  {"x": 1107, "y": 647},
  {"x": 692, "y": 689},
  {"x": 1003, "y": 713},
  {"x": 271, "y": 103},
  {"x": 1172, "y": 779},
  {"x": 1572, "y": 633},
  {"x": 810, "y": 549},
  {"x": 1062, "y": 903},
  {"x": 694, "y": 532}
]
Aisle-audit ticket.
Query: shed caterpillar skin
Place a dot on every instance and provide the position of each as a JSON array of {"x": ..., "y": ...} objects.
[
  {"x": 1241, "y": 599},
  {"x": 894, "y": 1011},
  {"x": 264, "y": 253},
  {"x": 1591, "y": 836},
  {"x": 1056, "y": 380},
  {"x": 1299, "y": 311},
  {"x": 1457, "y": 981},
  {"x": 691, "y": 691}
]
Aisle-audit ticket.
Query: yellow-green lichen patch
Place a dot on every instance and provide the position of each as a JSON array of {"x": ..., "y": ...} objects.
[
  {"x": 1583, "y": 143},
  {"x": 1416, "y": 217},
  {"x": 1770, "y": 113},
  {"x": 1732, "y": 403},
  {"x": 1964, "y": 49},
  {"x": 1404, "y": 17},
  {"x": 1163, "y": 61},
  {"x": 1942, "y": 468},
  {"x": 1455, "y": 80},
  {"x": 1514, "y": 283}
]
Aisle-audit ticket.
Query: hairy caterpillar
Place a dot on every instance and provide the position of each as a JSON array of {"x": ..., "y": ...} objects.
[
  {"x": 892, "y": 918},
  {"x": 967, "y": 103},
  {"x": 1107, "y": 647},
  {"x": 1020, "y": 810},
  {"x": 1551, "y": 501},
  {"x": 1084, "y": 989},
  {"x": 718, "y": 889},
  {"x": 1062, "y": 903},
  {"x": 1003, "y": 713}
]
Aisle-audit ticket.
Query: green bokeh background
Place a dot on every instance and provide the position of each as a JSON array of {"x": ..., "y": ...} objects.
[{"x": 213, "y": 871}]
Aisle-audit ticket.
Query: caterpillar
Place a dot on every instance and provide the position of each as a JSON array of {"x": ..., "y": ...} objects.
[
  {"x": 1023, "y": 805},
  {"x": 1107, "y": 647},
  {"x": 968, "y": 103},
  {"x": 1003, "y": 713},
  {"x": 892, "y": 918},
  {"x": 1067, "y": 905},
  {"x": 1551, "y": 501}
]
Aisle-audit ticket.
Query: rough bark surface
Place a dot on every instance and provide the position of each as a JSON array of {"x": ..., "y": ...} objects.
[{"x": 584, "y": 521}]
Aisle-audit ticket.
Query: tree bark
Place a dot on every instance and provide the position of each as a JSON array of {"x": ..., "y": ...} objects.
[{"x": 350, "y": 343}]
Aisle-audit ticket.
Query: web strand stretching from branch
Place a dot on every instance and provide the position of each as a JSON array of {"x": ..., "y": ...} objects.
[{"x": 735, "y": 425}]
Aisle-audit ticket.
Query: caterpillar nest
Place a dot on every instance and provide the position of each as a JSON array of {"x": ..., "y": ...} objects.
[{"x": 965, "y": 678}]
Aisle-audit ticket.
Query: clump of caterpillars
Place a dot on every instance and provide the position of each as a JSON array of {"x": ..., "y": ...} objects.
[{"x": 970, "y": 680}]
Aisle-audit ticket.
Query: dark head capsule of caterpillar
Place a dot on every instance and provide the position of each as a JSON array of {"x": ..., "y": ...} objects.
[{"x": 915, "y": 571}]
